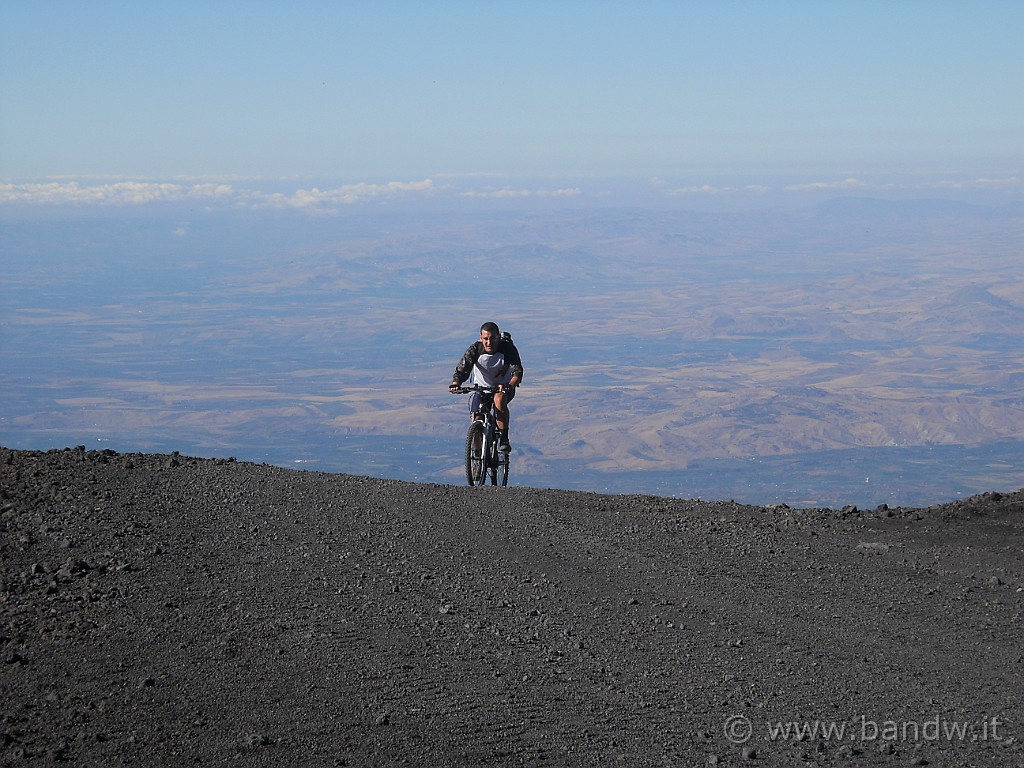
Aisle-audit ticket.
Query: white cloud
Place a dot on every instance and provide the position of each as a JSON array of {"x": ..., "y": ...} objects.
[
  {"x": 495, "y": 193},
  {"x": 706, "y": 190},
  {"x": 315, "y": 199},
  {"x": 1013, "y": 181},
  {"x": 470, "y": 175},
  {"x": 134, "y": 193},
  {"x": 1006, "y": 183},
  {"x": 508, "y": 192},
  {"x": 820, "y": 185},
  {"x": 215, "y": 191},
  {"x": 282, "y": 194},
  {"x": 703, "y": 189},
  {"x": 117, "y": 193}
]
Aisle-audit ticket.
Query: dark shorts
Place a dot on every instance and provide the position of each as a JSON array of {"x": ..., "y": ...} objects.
[{"x": 476, "y": 397}]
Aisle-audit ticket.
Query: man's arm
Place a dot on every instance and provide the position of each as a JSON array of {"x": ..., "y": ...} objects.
[
  {"x": 465, "y": 366},
  {"x": 515, "y": 364}
]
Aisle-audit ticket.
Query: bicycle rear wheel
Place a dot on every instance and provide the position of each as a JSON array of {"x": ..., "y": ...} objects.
[
  {"x": 475, "y": 454},
  {"x": 492, "y": 461}
]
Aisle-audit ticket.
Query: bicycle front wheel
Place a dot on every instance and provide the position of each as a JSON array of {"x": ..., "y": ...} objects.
[
  {"x": 503, "y": 462},
  {"x": 475, "y": 454}
]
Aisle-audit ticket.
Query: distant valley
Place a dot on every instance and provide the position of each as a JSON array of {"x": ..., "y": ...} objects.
[{"x": 658, "y": 345}]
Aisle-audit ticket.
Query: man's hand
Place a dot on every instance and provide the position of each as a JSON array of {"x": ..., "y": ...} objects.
[{"x": 454, "y": 387}]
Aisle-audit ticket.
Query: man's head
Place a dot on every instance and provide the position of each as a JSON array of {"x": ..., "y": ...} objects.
[{"x": 490, "y": 336}]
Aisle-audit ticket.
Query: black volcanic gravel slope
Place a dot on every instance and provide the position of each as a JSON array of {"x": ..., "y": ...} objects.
[{"x": 166, "y": 610}]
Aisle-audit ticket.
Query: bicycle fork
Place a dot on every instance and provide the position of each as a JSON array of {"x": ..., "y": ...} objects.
[{"x": 488, "y": 467}]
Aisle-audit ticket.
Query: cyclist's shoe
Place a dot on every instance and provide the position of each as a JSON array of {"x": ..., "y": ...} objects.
[{"x": 503, "y": 444}]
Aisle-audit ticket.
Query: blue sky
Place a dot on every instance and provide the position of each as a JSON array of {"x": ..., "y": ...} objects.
[{"x": 693, "y": 97}]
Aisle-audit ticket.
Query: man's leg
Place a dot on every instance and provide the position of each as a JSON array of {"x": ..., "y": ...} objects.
[{"x": 502, "y": 420}]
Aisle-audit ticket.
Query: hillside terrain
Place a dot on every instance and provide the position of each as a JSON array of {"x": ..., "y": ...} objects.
[
  {"x": 654, "y": 342},
  {"x": 167, "y": 610}
]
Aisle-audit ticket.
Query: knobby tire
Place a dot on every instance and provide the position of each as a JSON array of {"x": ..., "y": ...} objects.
[{"x": 475, "y": 474}]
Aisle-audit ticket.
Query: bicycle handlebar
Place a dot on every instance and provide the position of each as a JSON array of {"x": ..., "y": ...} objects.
[{"x": 475, "y": 388}]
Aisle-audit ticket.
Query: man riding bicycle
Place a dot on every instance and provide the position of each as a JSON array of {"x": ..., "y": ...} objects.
[{"x": 493, "y": 361}]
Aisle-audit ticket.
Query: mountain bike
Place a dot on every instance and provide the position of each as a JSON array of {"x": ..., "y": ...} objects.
[{"x": 483, "y": 459}]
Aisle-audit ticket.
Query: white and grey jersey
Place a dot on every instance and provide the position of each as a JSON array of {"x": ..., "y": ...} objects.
[{"x": 489, "y": 369}]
